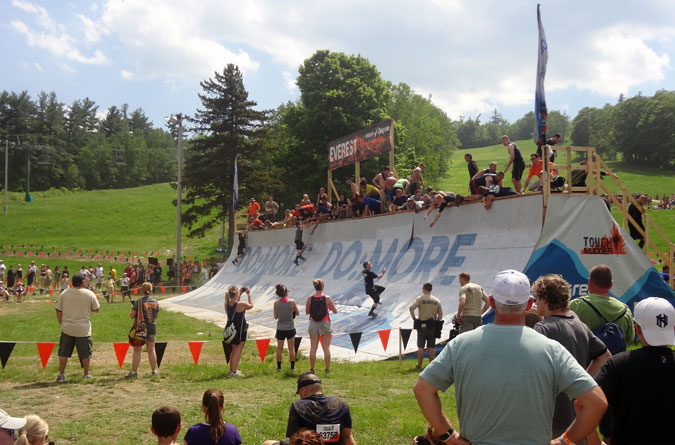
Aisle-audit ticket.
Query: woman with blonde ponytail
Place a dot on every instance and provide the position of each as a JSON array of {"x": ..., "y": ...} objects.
[
  {"x": 235, "y": 309},
  {"x": 34, "y": 432},
  {"x": 214, "y": 430}
]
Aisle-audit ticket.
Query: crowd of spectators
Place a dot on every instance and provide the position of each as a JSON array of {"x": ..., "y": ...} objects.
[{"x": 16, "y": 283}]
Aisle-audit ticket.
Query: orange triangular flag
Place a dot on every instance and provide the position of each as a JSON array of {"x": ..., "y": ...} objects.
[
  {"x": 183, "y": 288},
  {"x": 51, "y": 292},
  {"x": 30, "y": 288},
  {"x": 263, "y": 344},
  {"x": 321, "y": 341},
  {"x": 384, "y": 337},
  {"x": 45, "y": 350},
  {"x": 163, "y": 289},
  {"x": 114, "y": 293},
  {"x": 195, "y": 349},
  {"x": 121, "y": 352},
  {"x": 135, "y": 291}
]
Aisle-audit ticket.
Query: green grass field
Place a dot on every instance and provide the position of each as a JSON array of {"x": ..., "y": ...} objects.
[
  {"x": 112, "y": 410},
  {"x": 647, "y": 181},
  {"x": 131, "y": 220}
]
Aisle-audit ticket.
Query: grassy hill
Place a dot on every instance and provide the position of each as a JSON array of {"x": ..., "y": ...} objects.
[
  {"x": 637, "y": 180},
  {"x": 144, "y": 219},
  {"x": 137, "y": 219}
]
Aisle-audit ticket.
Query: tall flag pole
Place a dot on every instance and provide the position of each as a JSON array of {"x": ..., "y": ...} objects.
[
  {"x": 540, "y": 112},
  {"x": 235, "y": 187}
]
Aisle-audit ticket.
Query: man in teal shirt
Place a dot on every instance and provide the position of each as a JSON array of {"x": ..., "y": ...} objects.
[
  {"x": 507, "y": 377},
  {"x": 599, "y": 284}
]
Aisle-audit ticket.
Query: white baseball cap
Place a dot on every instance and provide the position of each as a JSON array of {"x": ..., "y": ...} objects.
[
  {"x": 11, "y": 423},
  {"x": 511, "y": 287},
  {"x": 656, "y": 317}
]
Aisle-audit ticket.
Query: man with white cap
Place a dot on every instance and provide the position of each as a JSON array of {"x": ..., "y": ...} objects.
[
  {"x": 507, "y": 377},
  {"x": 8, "y": 425},
  {"x": 640, "y": 384}
]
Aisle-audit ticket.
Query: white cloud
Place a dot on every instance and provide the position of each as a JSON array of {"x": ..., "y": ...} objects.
[
  {"x": 289, "y": 79},
  {"x": 41, "y": 14},
  {"x": 613, "y": 60},
  {"x": 168, "y": 40},
  {"x": 67, "y": 68},
  {"x": 38, "y": 67},
  {"x": 128, "y": 75},
  {"x": 92, "y": 30},
  {"x": 52, "y": 36}
]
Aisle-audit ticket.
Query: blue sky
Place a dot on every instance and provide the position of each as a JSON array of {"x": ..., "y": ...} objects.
[{"x": 471, "y": 56}]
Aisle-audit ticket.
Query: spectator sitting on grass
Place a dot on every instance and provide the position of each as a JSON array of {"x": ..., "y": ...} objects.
[
  {"x": 34, "y": 432},
  {"x": 166, "y": 425}
]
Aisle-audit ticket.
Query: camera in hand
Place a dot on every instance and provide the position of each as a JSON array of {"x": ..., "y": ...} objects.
[{"x": 243, "y": 289}]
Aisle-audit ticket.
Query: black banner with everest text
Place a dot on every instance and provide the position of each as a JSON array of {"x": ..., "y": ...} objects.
[{"x": 364, "y": 144}]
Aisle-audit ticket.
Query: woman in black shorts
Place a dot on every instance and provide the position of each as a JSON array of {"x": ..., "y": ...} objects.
[
  {"x": 235, "y": 312},
  {"x": 285, "y": 310}
]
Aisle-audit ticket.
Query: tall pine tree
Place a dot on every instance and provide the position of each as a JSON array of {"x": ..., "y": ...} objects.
[{"x": 227, "y": 126}]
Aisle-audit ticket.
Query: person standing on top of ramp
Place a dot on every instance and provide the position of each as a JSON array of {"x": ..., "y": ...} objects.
[
  {"x": 372, "y": 290},
  {"x": 515, "y": 159}
]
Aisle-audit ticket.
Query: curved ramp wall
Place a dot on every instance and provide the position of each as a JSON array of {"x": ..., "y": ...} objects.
[
  {"x": 466, "y": 238},
  {"x": 579, "y": 233}
]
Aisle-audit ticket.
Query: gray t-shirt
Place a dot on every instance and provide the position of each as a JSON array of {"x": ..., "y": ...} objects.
[
  {"x": 150, "y": 312},
  {"x": 506, "y": 381},
  {"x": 285, "y": 315},
  {"x": 584, "y": 346}
]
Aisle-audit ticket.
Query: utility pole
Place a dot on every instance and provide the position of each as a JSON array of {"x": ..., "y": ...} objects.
[
  {"x": 179, "y": 190},
  {"x": 6, "y": 170}
]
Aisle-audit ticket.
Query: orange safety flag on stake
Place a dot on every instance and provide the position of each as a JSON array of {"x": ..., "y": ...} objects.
[
  {"x": 263, "y": 345},
  {"x": 163, "y": 289},
  {"x": 51, "y": 292},
  {"x": 135, "y": 291},
  {"x": 114, "y": 293},
  {"x": 45, "y": 350},
  {"x": 195, "y": 349},
  {"x": 121, "y": 352},
  {"x": 384, "y": 337},
  {"x": 30, "y": 289},
  {"x": 183, "y": 288}
]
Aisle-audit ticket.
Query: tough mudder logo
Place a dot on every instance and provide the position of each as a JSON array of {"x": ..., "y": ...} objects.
[{"x": 611, "y": 244}]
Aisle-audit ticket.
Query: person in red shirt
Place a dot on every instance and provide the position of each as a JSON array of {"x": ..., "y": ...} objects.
[
  {"x": 535, "y": 170},
  {"x": 253, "y": 208}
]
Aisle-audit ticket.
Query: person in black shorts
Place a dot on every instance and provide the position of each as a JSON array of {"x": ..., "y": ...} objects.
[
  {"x": 495, "y": 191},
  {"x": 372, "y": 290},
  {"x": 443, "y": 200},
  {"x": 285, "y": 310},
  {"x": 299, "y": 245},
  {"x": 243, "y": 236},
  {"x": 515, "y": 159}
]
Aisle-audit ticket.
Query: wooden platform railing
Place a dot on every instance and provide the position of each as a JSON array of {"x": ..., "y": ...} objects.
[{"x": 593, "y": 169}]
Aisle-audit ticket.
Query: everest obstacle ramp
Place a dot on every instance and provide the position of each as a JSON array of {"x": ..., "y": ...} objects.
[{"x": 467, "y": 238}]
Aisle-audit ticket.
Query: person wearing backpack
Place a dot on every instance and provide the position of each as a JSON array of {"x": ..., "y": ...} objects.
[
  {"x": 319, "y": 323},
  {"x": 602, "y": 313},
  {"x": 235, "y": 310}
]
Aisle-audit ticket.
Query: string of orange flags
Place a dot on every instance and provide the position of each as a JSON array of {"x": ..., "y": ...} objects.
[
  {"x": 45, "y": 349},
  {"x": 162, "y": 288},
  {"x": 37, "y": 250}
]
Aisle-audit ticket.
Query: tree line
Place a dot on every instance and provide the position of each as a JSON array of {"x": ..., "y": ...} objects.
[
  {"x": 284, "y": 151},
  {"x": 75, "y": 148}
]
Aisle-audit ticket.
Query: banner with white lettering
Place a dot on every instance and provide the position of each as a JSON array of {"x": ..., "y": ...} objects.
[{"x": 364, "y": 144}]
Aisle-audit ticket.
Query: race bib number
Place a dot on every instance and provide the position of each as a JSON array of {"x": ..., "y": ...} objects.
[{"x": 329, "y": 433}]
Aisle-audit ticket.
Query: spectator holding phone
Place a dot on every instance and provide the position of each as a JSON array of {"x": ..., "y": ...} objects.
[{"x": 235, "y": 309}]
